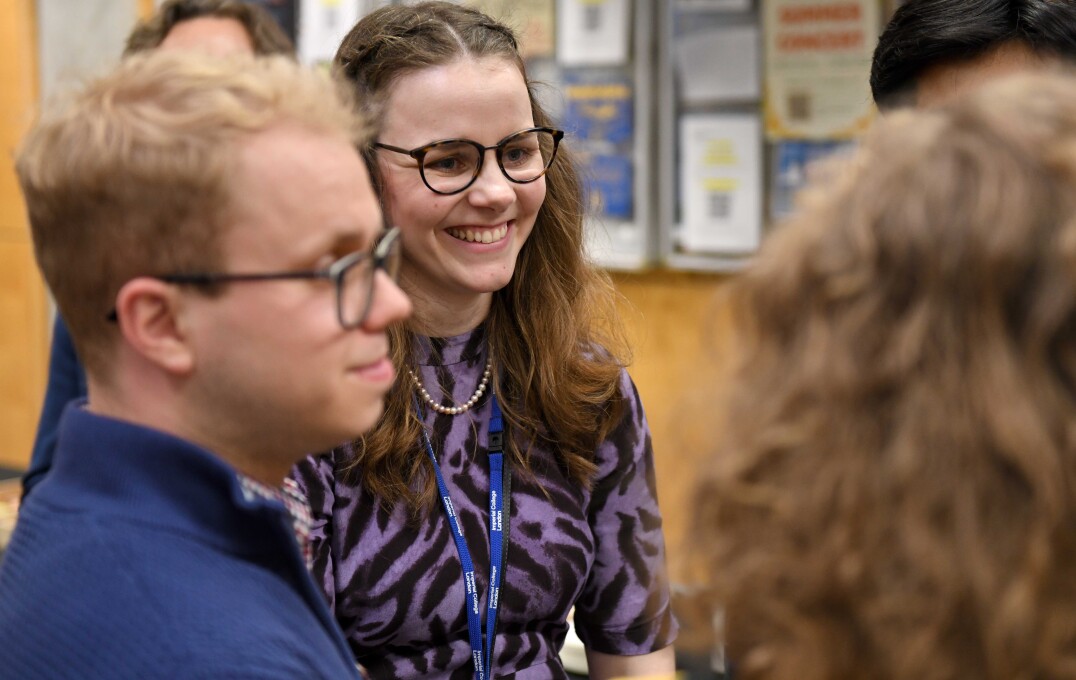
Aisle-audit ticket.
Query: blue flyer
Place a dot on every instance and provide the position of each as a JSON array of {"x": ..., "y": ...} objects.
[
  {"x": 599, "y": 106},
  {"x": 791, "y": 169},
  {"x": 609, "y": 180}
]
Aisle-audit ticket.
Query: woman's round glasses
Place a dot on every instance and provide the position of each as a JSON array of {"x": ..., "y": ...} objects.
[
  {"x": 451, "y": 165},
  {"x": 352, "y": 276}
]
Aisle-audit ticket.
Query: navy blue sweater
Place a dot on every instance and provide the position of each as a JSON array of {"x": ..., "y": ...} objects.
[
  {"x": 67, "y": 382},
  {"x": 140, "y": 557}
]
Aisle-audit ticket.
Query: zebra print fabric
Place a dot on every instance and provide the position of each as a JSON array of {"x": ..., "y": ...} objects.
[{"x": 396, "y": 586}]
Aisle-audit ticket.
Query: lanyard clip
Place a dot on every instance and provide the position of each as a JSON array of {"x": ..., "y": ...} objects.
[{"x": 496, "y": 442}]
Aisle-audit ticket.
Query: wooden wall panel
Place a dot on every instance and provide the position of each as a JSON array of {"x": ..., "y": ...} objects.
[
  {"x": 23, "y": 303},
  {"x": 23, "y": 349},
  {"x": 682, "y": 336},
  {"x": 18, "y": 92}
]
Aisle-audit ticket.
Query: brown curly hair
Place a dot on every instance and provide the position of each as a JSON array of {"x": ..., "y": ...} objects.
[
  {"x": 555, "y": 339},
  {"x": 265, "y": 34},
  {"x": 895, "y": 493}
]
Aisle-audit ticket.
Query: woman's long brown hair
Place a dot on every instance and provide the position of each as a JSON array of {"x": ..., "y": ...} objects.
[{"x": 554, "y": 336}]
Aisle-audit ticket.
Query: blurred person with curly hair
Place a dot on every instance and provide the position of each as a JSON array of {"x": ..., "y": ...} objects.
[{"x": 895, "y": 492}]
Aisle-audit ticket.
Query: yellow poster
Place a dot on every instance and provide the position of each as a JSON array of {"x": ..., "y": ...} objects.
[
  {"x": 531, "y": 19},
  {"x": 817, "y": 61}
]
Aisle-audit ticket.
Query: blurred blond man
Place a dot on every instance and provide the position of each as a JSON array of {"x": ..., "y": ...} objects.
[{"x": 212, "y": 239}]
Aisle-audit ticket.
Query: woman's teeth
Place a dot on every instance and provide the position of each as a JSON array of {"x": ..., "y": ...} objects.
[{"x": 480, "y": 235}]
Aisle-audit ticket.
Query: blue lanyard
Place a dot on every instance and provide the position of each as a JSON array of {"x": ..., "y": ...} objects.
[{"x": 497, "y": 524}]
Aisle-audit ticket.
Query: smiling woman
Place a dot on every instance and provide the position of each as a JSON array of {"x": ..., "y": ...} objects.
[
  {"x": 511, "y": 477},
  {"x": 463, "y": 227}
]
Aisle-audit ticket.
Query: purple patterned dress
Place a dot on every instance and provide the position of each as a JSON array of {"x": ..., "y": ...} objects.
[{"x": 397, "y": 589}]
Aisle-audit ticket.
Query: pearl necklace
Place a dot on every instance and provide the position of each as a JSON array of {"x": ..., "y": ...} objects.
[{"x": 452, "y": 410}]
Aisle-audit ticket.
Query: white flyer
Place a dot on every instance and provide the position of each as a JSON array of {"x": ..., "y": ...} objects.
[
  {"x": 721, "y": 182},
  {"x": 721, "y": 64},
  {"x": 593, "y": 32},
  {"x": 715, "y": 5},
  {"x": 323, "y": 25}
]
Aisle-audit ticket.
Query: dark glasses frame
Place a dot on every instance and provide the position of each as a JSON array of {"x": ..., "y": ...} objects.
[
  {"x": 419, "y": 154},
  {"x": 388, "y": 247}
]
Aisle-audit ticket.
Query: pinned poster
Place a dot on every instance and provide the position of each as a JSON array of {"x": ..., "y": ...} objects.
[
  {"x": 609, "y": 179},
  {"x": 818, "y": 57},
  {"x": 721, "y": 183},
  {"x": 791, "y": 170},
  {"x": 720, "y": 64},
  {"x": 715, "y": 5},
  {"x": 532, "y": 19},
  {"x": 593, "y": 32},
  {"x": 599, "y": 107},
  {"x": 323, "y": 25},
  {"x": 599, "y": 123}
]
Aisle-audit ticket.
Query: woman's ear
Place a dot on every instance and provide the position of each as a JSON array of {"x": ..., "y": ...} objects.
[{"x": 148, "y": 313}]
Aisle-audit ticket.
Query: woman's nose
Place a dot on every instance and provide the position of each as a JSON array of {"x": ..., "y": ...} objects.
[{"x": 491, "y": 189}]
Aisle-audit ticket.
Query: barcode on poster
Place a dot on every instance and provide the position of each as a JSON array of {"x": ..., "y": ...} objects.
[
  {"x": 799, "y": 106},
  {"x": 592, "y": 18},
  {"x": 719, "y": 204}
]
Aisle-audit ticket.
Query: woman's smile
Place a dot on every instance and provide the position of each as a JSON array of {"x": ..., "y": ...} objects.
[{"x": 474, "y": 234}]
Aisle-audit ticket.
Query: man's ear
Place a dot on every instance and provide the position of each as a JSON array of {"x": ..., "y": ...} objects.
[{"x": 149, "y": 315}]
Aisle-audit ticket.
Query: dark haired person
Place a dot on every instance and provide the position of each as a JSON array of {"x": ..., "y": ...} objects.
[
  {"x": 198, "y": 24},
  {"x": 219, "y": 27},
  {"x": 933, "y": 50}
]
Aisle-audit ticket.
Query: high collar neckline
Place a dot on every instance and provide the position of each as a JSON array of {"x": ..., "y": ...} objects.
[{"x": 469, "y": 347}]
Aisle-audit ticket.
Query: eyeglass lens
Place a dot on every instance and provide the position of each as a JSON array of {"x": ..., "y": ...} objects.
[
  {"x": 523, "y": 157},
  {"x": 356, "y": 285}
]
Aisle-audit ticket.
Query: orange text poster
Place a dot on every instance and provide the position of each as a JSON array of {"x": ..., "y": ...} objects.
[{"x": 817, "y": 62}]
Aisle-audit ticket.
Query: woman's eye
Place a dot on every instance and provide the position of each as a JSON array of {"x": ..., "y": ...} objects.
[
  {"x": 450, "y": 159},
  {"x": 516, "y": 156},
  {"x": 445, "y": 164}
]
